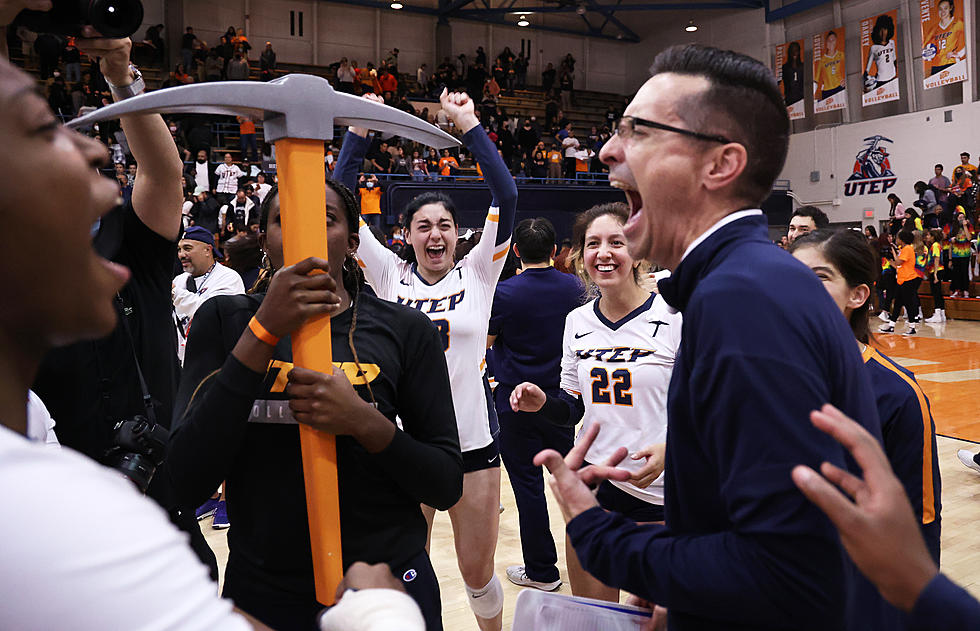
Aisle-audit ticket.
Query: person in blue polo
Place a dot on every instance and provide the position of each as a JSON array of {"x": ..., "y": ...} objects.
[
  {"x": 762, "y": 346},
  {"x": 526, "y": 328}
]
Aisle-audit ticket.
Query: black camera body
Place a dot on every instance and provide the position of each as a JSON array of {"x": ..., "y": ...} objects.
[
  {"x": 112, "y": 18},
  {"x": 138, "y": 448}
]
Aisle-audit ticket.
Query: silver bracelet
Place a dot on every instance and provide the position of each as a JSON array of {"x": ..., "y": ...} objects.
[{"x": 135, "y": 88}]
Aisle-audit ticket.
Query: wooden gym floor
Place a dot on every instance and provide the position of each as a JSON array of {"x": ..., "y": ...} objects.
[{"x": 946, "y": 362}]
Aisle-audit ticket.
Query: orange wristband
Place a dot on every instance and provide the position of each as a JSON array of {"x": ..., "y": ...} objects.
[{"x": 260, "y": 332}]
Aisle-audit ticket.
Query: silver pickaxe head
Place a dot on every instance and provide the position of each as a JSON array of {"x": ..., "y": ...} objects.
[{"x": 293, "y": 106}]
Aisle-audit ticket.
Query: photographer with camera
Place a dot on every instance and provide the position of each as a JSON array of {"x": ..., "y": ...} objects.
[{"x": 113, "y": 397}]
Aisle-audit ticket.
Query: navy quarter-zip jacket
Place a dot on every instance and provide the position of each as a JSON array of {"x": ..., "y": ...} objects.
[{"x": 763, "y": 344}]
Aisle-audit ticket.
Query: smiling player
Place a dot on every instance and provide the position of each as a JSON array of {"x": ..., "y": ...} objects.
[
  {"x": 457, "y": 297},
  {"x": 618, "y": 358}
]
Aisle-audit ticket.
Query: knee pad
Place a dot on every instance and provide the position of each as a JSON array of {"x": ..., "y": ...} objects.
[{"x": 488, "y": 601}]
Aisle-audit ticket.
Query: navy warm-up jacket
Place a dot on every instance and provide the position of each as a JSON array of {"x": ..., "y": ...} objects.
[{"x": 763, "y": 344}]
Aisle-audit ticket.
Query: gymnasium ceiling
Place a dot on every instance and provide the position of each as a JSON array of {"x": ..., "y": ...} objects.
[{"x": 607, "y": 19}]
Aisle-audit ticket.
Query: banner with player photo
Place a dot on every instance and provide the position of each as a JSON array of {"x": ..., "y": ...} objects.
[
  {"x": 789, "y": 73},
  {"x": 943, "y": 42},
  {"x": 880, "y": 78},
  {"x": 829, "y": 74}
]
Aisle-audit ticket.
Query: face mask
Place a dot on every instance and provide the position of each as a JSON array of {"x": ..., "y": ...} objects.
[{"x": 370, "y": 185}]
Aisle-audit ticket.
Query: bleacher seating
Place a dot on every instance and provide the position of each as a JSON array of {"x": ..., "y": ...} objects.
[{"x": 956, "y": 308}]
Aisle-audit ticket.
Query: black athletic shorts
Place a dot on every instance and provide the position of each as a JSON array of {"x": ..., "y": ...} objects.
[
  {"x": 612, "y": 498},
  {"x": 419, "y": 580},
  {"x": 483, "y": 458}
]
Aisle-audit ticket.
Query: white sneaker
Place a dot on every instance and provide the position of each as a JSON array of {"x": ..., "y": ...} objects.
[
  {"x": 888, "y": 327},
  {"x": 965, "y": 456},
  {"x": 909, "y": 331},
  {"x": 517, "y": 576},
  {"x": 935, "y": 318},
  {"x": 884, "y": 317}
]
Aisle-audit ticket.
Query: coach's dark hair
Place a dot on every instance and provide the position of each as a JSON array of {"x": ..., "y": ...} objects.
[
  {"x": 849, "y": 252},
  {"x": 884, "y": 21},
  {"x": 819, "y": 217},
  {"x": 535, "y": 239},
  {"x": 353, "y": 277},
  {"x": 576, "y": 256},
  {"x": 743, "y": 103}
]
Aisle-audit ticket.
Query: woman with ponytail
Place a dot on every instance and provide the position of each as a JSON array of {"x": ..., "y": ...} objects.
[
  {"x": 240, "y": 401},
  {"x": 846, "y": 266}
]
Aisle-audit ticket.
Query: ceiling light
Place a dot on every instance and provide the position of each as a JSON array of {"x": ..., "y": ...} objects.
[
  {"x": 691, "y": 27},
  {"x": 396, "y": 5},
  {"x": 523, "y": 21}
]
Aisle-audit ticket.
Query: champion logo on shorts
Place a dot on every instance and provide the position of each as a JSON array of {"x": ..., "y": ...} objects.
[{"x": 409, "y": 576}]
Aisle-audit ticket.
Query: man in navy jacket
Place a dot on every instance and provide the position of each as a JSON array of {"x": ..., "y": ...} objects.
[{"x": 742, "y": 548}]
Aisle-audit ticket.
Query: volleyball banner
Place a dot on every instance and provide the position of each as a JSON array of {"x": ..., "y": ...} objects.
[
  {"x": 880, "y": 78},
  {"x": 829, "y": 73},
  {"x": 789, "y": 73},
  {"x": 943, "y": 42}
]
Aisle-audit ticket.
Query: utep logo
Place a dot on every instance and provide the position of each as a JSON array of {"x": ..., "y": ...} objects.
[
  {"x": 366, "y": 374},
  {"x": 433, "y": 305},
  {"x": 872, "y": 170},
  {"x": 614, "y": 355}
]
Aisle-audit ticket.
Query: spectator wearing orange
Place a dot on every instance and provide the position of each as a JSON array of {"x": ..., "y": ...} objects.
[
  {"x": 370, "y": 191},
  {"x": 554, "y": 163},
  {"x": 388, "y": 82},
  {"x": 246, "y": 134},
  {"x": 368, "y": 79},
  {"x": 965, "y": 163},
  {"x": 448, "y": 164},
  {"x": 961, "y": 190},
  {"x": 180, "y": 74},
  {"x": 491, "y": 89},
  {"x": 908, "y": 283},
  {"x": 240, "y": 42}
]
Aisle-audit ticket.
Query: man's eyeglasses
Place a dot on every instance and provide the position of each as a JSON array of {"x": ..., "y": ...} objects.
[{"x": 627, "y": 124}]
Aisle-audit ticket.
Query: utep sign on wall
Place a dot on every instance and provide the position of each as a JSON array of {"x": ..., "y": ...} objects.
[
  {"x": 872, "y": 171},
  {"x": 861, "y": 163}
]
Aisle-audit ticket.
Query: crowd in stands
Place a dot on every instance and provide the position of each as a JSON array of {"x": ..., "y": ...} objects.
[
  {"x": 410, "y": 404},
  {"x": 933, "y": 240}
]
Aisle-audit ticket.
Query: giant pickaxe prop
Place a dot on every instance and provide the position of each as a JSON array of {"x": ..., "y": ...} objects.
[{"x": 298, "y": 113}]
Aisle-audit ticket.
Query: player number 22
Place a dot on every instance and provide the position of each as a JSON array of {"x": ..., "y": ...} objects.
[
  {"x": 622, "y": 382},
  {"x": 443, "y": 326}
]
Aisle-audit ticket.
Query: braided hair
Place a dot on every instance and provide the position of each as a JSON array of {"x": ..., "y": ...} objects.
[{"x": 351, "y": 274}]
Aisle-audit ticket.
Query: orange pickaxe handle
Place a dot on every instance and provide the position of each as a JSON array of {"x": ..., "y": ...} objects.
[{"x": 302, "y": 202}]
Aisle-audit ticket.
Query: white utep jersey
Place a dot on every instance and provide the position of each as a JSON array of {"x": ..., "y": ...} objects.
[
  {"x": 884, "y": 58},
  {"x": 622, "y": 371},
  {"x": 459, "y": 305}
]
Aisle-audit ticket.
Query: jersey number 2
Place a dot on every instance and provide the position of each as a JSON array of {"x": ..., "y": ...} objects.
[
  {"x": 443, "y": 326},
  {"x": 623, "y": 381}
]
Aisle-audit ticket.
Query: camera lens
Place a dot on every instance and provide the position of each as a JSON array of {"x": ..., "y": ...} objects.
[{"x": 114, "y": 18}]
